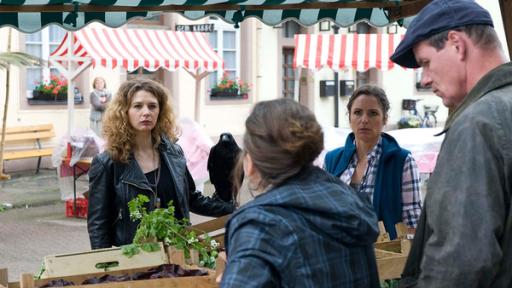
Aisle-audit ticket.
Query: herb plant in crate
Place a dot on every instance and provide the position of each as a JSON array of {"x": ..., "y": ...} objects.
[
  {"x": 230, "y": 89},
  {"x": 160, "y": 225}
]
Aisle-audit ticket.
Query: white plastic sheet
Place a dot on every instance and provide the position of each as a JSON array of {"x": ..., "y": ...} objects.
[
  {"x": 83, "y": 143},
  {"x": 422, "y": 143},
  {"x": 196, "y": 145}
]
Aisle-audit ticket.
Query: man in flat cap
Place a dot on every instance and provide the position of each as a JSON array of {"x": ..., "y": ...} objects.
[{"x": 464, "y": 235}]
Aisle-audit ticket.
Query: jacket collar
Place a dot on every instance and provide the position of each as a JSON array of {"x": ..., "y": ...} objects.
[
  {"x": 496, "y": 78},
  {"x": 133, "y": 173},
  {"x": 389, "y": 148}
]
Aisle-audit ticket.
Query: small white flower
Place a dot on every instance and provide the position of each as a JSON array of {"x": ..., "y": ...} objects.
[
  {"x": 214, "y": 244},
  {"x": 192, "y": 240}
]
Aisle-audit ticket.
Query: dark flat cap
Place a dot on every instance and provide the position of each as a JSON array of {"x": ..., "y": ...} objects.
[{"x": 436, "y": 17}]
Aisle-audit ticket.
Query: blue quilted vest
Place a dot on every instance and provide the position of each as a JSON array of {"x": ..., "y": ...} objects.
[{"x": 387, "y": 197}]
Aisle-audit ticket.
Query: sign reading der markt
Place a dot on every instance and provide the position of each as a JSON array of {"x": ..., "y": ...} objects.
[{"x": 195, "y": 28}]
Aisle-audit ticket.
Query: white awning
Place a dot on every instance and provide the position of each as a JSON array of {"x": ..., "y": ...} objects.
[{"x": 150, "y": 49}]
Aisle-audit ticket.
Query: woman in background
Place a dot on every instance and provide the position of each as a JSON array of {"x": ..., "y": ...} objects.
[
  {"x": 99, "y": 98},
  {"x": 373, "y": 163},
  {"x": 305, "y": 228}
]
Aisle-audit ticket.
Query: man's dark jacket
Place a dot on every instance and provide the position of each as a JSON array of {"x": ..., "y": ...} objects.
[{"x": 464, "y": 236}]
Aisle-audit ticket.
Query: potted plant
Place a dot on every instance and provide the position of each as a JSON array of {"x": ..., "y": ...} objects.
[
  {"x": 229, "y": 88},
  {"x": 54, "y": 90}
]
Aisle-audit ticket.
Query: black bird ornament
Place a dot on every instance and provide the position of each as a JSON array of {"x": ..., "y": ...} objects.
[{"x": 221, "y": 162}]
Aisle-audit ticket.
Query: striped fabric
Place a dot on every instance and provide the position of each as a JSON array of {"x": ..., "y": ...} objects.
[
  {"x": 150, "y": 49},
  {"x": 341, "y": 51},
  {"x": 34, "y": 21}
]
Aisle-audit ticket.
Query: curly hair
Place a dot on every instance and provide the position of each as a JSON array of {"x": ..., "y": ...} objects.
[
  {"x": 282, "y": 137},
  {"x": 119, "y": 134}
]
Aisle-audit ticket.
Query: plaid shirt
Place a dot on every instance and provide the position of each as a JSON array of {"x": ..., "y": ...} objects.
[
  {"x": 411, "y": 198},
  {"x": 312, "y": 231}
]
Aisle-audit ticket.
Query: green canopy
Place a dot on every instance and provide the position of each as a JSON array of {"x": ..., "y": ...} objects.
[{"x": 32, "y": 15}]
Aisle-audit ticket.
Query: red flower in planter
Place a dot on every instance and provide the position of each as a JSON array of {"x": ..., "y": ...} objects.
[
  {"x": 231, "y": 87},
  {"x": 55, "y": 86}
]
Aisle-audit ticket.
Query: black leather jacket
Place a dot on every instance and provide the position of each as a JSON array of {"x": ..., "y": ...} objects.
[{"x": 112, "y": 185}]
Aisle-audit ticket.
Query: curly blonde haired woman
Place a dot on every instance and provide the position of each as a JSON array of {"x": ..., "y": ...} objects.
[{"x": 141, "y": 158}]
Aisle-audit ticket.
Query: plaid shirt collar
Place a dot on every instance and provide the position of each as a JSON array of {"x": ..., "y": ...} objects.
[{"x": 367, "y": 184}]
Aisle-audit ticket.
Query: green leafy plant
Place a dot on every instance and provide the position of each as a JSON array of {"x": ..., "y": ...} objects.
[
  {"x": 390, "y": 283},
  {"x": 161, "y": 225},
  {"x": 39, "y": 274}
]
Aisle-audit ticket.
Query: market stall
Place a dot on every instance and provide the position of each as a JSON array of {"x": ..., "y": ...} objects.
[
  {"x": 26, "y": 16},
  {"x": 132, "y": 49}
]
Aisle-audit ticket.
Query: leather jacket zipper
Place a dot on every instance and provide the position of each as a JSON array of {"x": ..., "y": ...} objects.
[{"x": 125, "y": 223}]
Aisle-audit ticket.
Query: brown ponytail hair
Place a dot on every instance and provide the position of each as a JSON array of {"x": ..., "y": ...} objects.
[{"x": 282, "y": 137}]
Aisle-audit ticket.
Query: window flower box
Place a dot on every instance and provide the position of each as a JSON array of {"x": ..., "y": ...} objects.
[
  {"x": 230, "y": 89},
  {"x": 53, "y": 92}
]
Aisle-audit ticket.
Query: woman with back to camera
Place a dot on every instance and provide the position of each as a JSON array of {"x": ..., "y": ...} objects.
[
  {"x": 141, "y": 157},
  {"x": 305, "y": 228},
  {"x": 100, "y": 97},
  {"x": 373, "y": 163}
]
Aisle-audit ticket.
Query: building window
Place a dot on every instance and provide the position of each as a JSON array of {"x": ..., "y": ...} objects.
[
  {"x": 42, "y": 44},
  {"x": 288, "y": 73},
  {"x": 290, "y": 28},
  {"x": 225, "y": 40}
]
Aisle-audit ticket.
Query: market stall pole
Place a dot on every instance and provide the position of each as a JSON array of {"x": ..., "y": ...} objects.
[
  {"x": 506, "y": 16},
  {"x": 66, "y": 64}
]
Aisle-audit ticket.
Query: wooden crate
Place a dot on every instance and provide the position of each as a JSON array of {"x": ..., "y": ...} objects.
[
  {"x": 3, "y": 278},
  {"x": 391, "y": 255},
  {"x": 391, "y": 258},
  {"x": 207, "y": 281},
  {"x": 214, "y": 228},
  {"x": 90, "y": 261},
  {"x": 77, "y": 267}
]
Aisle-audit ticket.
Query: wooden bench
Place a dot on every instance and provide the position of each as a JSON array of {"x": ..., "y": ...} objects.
[{"x": 34, "y": 133}]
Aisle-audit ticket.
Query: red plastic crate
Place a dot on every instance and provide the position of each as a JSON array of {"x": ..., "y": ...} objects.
[{"x": 81, "y": 208}]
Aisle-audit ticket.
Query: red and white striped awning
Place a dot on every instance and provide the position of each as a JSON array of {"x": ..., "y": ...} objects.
[
  {"x": 150, "y": 49},
  {"x": 341, "y": 51}
]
